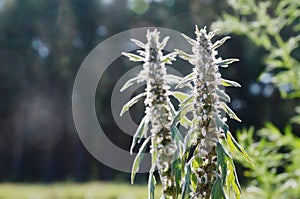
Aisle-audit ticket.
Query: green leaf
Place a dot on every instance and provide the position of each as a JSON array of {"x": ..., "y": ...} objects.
[
  {"x": 186, "y": 80},
  {"x": 133, "y": 57},
  {"x": 130, "y": 82},
  {"x": 223, "y": 95},
  {"x": 180, "y": 96},
  {"x": 217, "y": 191},
  {"x": 235, "y": 147},
  {"x": 138, "y": 159},
  {"x": 190, "y": 40},
  {"x": 226, "y": 82},
  {"x": 223, "y": 157},
  {"x": 163, "y": 43},
  {"x": 131, "y": 102},
  {"x": 176, "y": 135},
  {"x": 139, "y": 43},
  {"x": 229, "y": 176},
  {"x": 186, "y": 183},
  {"x": 221, "y": 124},
  {"x": 172, "y": 109},
  {"x": 151, "y": 185},
  {"x": 230, "y": 112},
  {"x": 176, "y": 172},
  {"x": 224, "y": 63},
  {"x": 220, "y": 42},
  {"x": 232, "y": 180},
  {"x": 173, "y": 79},
  {"x": 140, "y": 132},
  {"x": 183, "y": 55},
  {"x": 168, "y": 58}
]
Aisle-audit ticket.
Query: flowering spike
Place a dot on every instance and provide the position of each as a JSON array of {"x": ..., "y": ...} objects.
[
  {"x": 158, "y": 114},
  {"x": 208, "y": 125}
]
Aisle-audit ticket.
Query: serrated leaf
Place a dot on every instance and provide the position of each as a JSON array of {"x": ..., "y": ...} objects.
[
  {"x": 220, "y": 42},
  {"x": 183, "y": 55},
  {"x": 139, "y": 43},
  {"x": 140, "y": 132},
  {"x": 224, "y": 63},
  {"x": 130, "y": 82},
  {"x": 131, "y": 102},
  {"x": 133, "y": 57},
  {"x": 138, "y": 159},
  {"x": 223, "y": 95},
  {"x": 163, "y": 43},
  {"x": 226, "y": 82},
  {"x": 217, "y": 191},
  {"x": 230, "y": 112},
  {"x": 235, "y": 147}
]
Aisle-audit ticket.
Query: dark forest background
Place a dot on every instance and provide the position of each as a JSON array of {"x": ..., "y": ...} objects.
[{"x": 42, "y": 45}]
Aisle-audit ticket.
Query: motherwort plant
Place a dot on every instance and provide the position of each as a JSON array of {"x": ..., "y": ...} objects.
[
  {"x": 158, "y": 114},
  {"x": 200, "y": 165},
  {"x": 210, "y": 166}
]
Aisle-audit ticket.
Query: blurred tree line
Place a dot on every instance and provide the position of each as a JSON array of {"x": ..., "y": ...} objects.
[{"x": 42, "y": 45}]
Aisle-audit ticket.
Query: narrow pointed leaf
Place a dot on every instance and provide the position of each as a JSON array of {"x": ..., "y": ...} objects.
[
  {"x": 132, "y": 102},
  {"x": 230, "y": 112},
  {"x": 186, "y": 183},
  {"x": 163, "y": 43},
  {"x": 168, "y": 58},
  {"x": 151, "y": 185},
  {"x": 180, "y": 96},
  {"x": 139, "y": 43},
  {"x": 190, "y": 40},
  {"x": 183, "y": 55},
  {"x": 221, "y": 124},
  {"x": 223, "y": 95},
  {"x": 226, "y": 82},
  {"x": 173, "y": 79},
  {"x": 232, "y": 180},
  {"x": 138, "y": 159},
  {"x": 186, "y": 80},
  {"x": 140, "y": 132},
  {"x": 130, "y": 82},
  {"x": 217, "y": 191},
  {"x": 225, "y": 62},
  {"x": 235, "y": 147},
  {"x": 219, "y": 42},
  {"x": 222, "y": 161},
  {"x": 172, "y": 109},
  {"x": 133, "y": 57}
]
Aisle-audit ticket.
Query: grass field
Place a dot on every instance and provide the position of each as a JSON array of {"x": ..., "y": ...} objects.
[
  {"x": 68, "y": 190},
  {"x": 92, "y": 190}
]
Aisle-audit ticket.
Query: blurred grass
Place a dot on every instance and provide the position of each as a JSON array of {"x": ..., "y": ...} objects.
[{"x": 91, "y": 190}]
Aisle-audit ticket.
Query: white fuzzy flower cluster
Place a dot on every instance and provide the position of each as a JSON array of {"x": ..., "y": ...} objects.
[
  {"x": 207, "y": 106},
  {"x": 157, "y": 112}
]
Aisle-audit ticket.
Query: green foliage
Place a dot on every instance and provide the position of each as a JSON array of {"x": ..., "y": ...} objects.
[
  {"x": 276, "y": 171},
  {"x": 273, "y": 26},
  {"x": 208, "y": 169}
]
